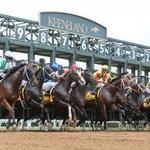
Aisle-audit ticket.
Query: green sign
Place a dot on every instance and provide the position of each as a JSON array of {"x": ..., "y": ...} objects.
[{"x": 72, "y": 23}]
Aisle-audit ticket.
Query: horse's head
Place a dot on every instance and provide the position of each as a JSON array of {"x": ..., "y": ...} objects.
[
  {"x": 13, "y": 79},
  {"x": 29, "y": 74},
  {"x": 126, "y": 81},
  {"x": 74, "y": 76},
  {"x": 134, "y": 98},
  {"x": 88, "y": 77}
]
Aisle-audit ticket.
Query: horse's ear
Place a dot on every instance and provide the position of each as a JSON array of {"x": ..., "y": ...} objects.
[{"x": 122, "y": 74}]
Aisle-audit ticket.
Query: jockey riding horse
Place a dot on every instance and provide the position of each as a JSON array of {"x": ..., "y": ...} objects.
[{"x": 32, "y": 96}]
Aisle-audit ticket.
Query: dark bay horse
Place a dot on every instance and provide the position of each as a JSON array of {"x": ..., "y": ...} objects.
[
  {"x": 9, "y": 88},
  {"x": 32, "y": 95},
  {"x": 135, "y": 110},
  {"x": 77, "y": 96},
  {"x": 62, "y": 105},
  {"x": 106, "y": 98}
]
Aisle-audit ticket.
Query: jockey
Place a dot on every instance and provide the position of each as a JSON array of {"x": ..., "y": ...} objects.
[
  {"x": 75, "y": 68},
  {"x": 102, "y": 76},
  {"x": 9, "y": 59},
  {"x": 42, "y": 62},
  {"x": 51, "y": 83},
  {"x": 55, "y": 67},
  {"x": 7, "y": 63}
]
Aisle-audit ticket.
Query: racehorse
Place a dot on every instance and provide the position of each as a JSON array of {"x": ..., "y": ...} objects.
[
  {"x": 135, "y": 110},
  {"x": 78, "y": 94},
  {"x": 106, "y": 99},
  {"x": 61, "y": 94},
  {"x": 32, "y": 96},
  {"x": 9, "y": 88}
]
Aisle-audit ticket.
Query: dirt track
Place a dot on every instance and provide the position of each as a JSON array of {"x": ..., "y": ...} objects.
[{"x": 74, "y": 140}]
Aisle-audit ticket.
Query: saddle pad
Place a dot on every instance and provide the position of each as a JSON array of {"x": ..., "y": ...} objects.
[
  {"x": 146, "y": 102},
  {"x": 90, "y": 96},
  {"x": 48, "y": 98},
  {"x": 22, "y": 93}
]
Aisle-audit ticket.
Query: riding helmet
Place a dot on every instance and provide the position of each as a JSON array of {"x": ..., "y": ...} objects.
[
  {"x": 9, "y": 54},
  {"x": 55, "y": 66},
  {"x": 74, "y": 67}
]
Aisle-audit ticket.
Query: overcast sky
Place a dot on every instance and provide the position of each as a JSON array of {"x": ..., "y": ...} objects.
[{"x": 125, "y": 19}]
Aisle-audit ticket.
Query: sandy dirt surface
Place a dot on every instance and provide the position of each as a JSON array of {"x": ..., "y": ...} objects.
[{"x": 75, "y": 140}]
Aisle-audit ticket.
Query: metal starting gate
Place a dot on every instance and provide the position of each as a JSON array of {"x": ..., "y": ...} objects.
[{"x": 62, "y": 35}]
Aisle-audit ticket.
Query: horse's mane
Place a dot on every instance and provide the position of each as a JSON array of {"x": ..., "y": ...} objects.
[
  {"x": 113, "y": 80},
  {"x": 14, "y": 69},
  {"x": 67, "y": 74},
  {"x": 38, "y": 70}
]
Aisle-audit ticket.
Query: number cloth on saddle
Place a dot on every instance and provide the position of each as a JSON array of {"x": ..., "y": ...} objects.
[
  {"x": 90, "y": 95},
  {"x": 146, "y": 102},
  {"x": 48, "y": 98}
]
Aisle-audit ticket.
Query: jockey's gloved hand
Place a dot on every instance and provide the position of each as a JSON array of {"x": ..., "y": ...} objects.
[{"x": 105, "y": 82}]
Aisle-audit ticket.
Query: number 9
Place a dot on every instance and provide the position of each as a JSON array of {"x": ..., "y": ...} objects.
[{"x": 20, "y": 32}]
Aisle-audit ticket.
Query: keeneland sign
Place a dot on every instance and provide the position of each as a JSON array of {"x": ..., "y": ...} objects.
[
  {"x": 72, "y": 23},
  {"x": 67, "y": 25}
]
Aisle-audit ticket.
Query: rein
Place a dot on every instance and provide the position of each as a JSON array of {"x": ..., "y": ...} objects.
[
  {"x": 122, "y": 83},
  {"x": 139, "y": 88},
  {"x": 25, "y": 73}
]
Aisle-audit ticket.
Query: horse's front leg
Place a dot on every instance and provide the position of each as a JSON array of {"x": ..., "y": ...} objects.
[
  {"x": 65, "y": 104},
  {"x": 103, "y": 115},
  {"x": 82, "y": 113},
  {"x": 48, "y": 123},
  {"x": 6, "y": 105}
]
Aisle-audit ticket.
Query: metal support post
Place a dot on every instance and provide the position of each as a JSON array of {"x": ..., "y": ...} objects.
[
  {"x": 53, "y": 57},
  {"x": 31, "y": 53},
  {"x": 72, "y": 59}
]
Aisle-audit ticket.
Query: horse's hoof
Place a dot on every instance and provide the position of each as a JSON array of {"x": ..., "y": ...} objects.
[
  {"x": 49, "y": 126},
  {"x": 14, "y": 127},
  {"x": 147, "y": 127}
]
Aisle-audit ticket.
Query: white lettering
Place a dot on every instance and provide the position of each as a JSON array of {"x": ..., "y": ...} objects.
[{"x": 67, "y": 25}]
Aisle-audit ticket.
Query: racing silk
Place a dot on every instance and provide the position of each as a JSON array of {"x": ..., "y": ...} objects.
[
  {"x": 2, "y": 63},
  {"x": 48, "y": 84},
  {"x": 102, "y": 77},
  {"x": 97, "y": 75},
  {"x": 9, "y": 65}
]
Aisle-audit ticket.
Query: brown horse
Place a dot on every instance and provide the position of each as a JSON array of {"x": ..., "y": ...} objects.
[
  {"x": 9, "y": 88},
  {"x": 106, "y": 98}
]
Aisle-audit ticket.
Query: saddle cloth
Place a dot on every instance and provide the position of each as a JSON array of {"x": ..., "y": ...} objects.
[
  {"x": 48, "y": 98},
  {"x": 90, "y": 96},
  {"x": 146, "y": 102}
]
